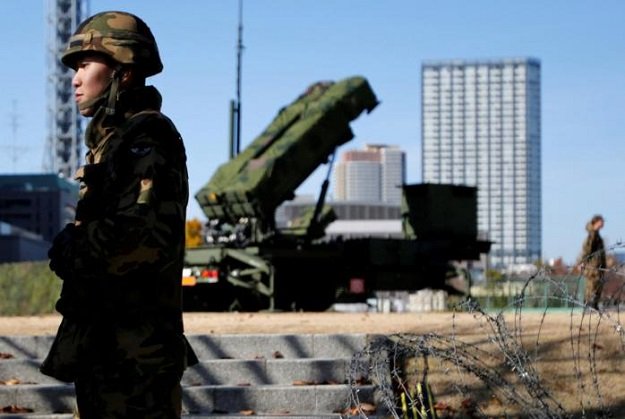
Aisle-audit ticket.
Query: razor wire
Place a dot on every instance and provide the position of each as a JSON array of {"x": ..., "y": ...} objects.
[{"x": 502, "y": 365}]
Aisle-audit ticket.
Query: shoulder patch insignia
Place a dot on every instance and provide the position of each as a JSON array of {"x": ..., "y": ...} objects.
[{"x": 141, "y": 150}]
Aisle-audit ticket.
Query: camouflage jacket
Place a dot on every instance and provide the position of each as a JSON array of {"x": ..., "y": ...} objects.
[
  {"x": 123, "y": 256},
  {"x": 593, "y": 252},
  {"x": 125, "y": 253}
]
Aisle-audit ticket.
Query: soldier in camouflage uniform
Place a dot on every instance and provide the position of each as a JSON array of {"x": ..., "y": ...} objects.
[
  {"x": 121, "y": 339},
  {"x": 593, "y": 261}
]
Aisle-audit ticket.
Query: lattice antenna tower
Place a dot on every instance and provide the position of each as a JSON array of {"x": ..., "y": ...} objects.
[{"x": 65, "y": 125}]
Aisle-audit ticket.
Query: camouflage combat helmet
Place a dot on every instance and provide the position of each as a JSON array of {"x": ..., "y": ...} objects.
[{"x": 121, "y": 36}]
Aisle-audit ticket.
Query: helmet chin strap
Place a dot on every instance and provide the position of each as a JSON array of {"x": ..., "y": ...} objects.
[
  {"x": 113, "y": 90},
  {"x": 96, "y": 101}
]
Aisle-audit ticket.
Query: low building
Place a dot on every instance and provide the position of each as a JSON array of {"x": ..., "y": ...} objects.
[
  {"x": 344, "y": 210},
  {"x": 19, "y": 245},
  {"x": 365, "y": 228},
  {"x": 40, "y": 203}
]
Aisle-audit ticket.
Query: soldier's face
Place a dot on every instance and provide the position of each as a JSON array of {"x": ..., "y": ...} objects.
[{"x": 93, "y": 76}]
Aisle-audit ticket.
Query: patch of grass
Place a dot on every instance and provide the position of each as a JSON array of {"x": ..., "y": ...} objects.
[{"x": 27, "y": 288}]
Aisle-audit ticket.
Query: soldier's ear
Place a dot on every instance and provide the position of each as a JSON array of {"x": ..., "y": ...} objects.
[{"x": 131, "y": 77}]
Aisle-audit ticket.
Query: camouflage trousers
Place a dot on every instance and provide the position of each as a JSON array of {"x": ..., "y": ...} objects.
[
  {"x": 594, "y": 288},
  {"x": 131, "y": 371},
  {"x": 123, "y": 393}
]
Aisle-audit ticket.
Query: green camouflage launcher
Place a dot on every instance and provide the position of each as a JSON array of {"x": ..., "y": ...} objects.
[
  {"x": 247, "y": 263},
  {"x": 300, "y": 138}
]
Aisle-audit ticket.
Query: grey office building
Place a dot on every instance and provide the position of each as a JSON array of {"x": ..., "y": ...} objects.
[{"x": 481, "y": 127}]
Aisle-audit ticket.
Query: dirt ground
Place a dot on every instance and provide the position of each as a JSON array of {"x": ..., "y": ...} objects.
[
  {"x": 326, "y": 322},
  {"x": 577, "y": 359}
]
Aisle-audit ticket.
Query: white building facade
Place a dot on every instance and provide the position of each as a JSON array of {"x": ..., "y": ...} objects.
[
  {"x": 481, "y": 126},
  {"x": 374, "y": 174}
]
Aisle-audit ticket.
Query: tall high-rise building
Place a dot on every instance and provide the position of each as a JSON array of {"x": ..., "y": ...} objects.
[
  {"x": 481, "y": 127},
  {"x": 374, "y": 174}
]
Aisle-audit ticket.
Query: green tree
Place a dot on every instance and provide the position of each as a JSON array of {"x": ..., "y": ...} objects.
[
  {"x": 493, "y": 275},
  {"x": 194, "y": 233}
]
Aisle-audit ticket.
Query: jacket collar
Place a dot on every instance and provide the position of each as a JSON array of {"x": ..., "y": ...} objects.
[{"x": 129, "y": 102}]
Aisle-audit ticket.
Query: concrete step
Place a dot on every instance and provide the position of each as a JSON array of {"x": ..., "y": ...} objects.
[
  {"x": 188, "y": 416},
  {"x": 272, "y": 399},
  {"x": 268, "y": 371},
  {"x": 271, "y": 375},
  {"x": 226, "y": 399},
  {"x": 268, "y": 346},
  {"x": 26, "y": 347},
  {"x": 41, "y": 398},
  {"x": 36, "y": 416},
  {"x": 265, "y": 416},
  {"x": 226, "y": 371},
  {"x": 26, "y": 371},
  {"x": 278, "y": 346}
]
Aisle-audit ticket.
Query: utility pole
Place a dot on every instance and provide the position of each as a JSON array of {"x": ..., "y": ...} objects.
[
  {"x": 13, "y": 147},
  {"x": 14, "y": 150},
  {"x": 235, "y": 105}
]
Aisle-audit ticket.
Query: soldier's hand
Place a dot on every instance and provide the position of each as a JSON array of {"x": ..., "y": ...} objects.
[{"x": 60, "y": 252}]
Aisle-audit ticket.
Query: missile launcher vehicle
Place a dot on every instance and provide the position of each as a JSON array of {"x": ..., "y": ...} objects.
[{"x": 249, "y": 264}]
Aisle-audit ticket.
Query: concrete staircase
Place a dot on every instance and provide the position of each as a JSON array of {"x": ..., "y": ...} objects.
[{"x": 238, "y": 376}]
